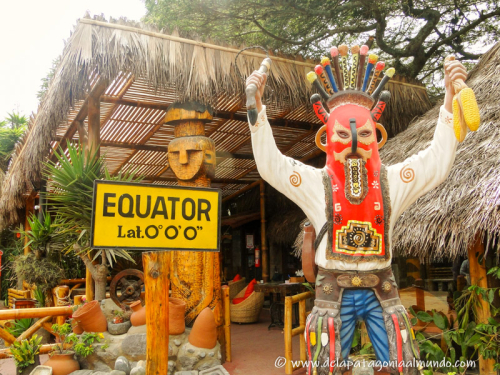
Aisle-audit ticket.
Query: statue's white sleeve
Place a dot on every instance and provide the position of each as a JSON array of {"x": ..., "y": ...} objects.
[
  {"x": 299, "y": 182},
  {"x": 424, "y": 171}
]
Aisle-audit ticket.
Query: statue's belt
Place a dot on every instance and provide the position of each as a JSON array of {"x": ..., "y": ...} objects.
[{"x": 331, "y": 283}]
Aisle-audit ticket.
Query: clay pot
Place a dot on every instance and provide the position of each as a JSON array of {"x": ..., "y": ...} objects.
[
  {"x": 63, "y": 364},
  {"x": 77, "y": 330},
  {"x": 138, "y": 317},
  {"x": 204, "y": 332},
  {"x": 176, "y": 313},
  {"x": 91, "y": 318}
]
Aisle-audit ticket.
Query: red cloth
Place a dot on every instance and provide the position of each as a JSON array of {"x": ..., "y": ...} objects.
[
  {"x": 248, "y": 291},
  {"x": 237, "y": 277}
]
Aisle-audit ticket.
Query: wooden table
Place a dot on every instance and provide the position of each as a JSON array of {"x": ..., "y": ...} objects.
[{"x": 278, "y": 291}]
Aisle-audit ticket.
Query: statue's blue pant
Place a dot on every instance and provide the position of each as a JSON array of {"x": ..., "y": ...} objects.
[{"x": 362, "y": 304}]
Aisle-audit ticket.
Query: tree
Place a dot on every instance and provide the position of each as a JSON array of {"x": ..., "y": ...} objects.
[
  {"x": 11, "y": 131},
  {"x": 71, "y": 179},
  {"x": 414, "y": 36}
]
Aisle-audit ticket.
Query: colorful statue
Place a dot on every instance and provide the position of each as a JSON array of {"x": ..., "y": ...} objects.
[{"x": 353, "y": 204}]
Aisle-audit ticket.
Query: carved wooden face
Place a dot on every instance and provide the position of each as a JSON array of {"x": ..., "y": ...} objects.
[{"x": 188, "y": 155}]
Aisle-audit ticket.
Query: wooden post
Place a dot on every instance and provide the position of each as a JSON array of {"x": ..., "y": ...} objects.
[
  {"x": 156, "y": 265},
  {"x": 263, "y": 244},
  {"x": 227, "y": 320},
  {"x": 413, "y": 270},
  {"x": 478, "y": 277},
  {"x": 61, "y": 298},
  {"x": 420, "y": 294},
  {"x": 288, "y": 335},
  {"x": 195, "y": 276},
  {"x": 94, "y": 140}
]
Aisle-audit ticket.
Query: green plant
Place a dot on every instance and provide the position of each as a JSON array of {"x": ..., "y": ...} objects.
[
  {"x": 39, "y": 296},
  {"x": 44, "y": 273},
  {"x": 83, "y": 345},
  {"x": 25, "y": 352},
  {"x": 72, "y": 179},
  {"x": 19, "y": 326},
  {"x": 309, "y": 287}
]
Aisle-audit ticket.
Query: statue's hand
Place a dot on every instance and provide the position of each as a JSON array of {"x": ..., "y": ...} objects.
[
  {"x": 453, "y": 71},
  {"x": 259, "y": 80}
]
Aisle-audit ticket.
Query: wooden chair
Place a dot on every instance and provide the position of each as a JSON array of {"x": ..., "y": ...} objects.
[
  {"x": 247, "y": 311},
  {"x": 235, "y": 287}
]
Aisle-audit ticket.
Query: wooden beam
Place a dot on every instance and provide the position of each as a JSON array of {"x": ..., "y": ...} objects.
[
  {"x": 142, "y": 147},
  {"x": 224, "y": 115},
  {"x": 96, "y": 92},
  {"x": 263, "y": 244},
  {"x": 40, "y": 312},
  {"x": 156, "y": 278},
  {"x": 239, "y": 192},
  {"x": 94, "y": 122},
  {"x": 214, "y": 181}
]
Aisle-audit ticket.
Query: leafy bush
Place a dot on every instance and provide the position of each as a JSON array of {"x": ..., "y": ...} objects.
[
  {"x": 82, "y": 345},
  {"x": 19, "y": 326},
  {"x": 25, "y": 352},
  {"x": 43, "y": 273}
]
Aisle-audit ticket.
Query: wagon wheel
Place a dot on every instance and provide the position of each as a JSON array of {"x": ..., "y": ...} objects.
[{"x": 126, "y": 287}]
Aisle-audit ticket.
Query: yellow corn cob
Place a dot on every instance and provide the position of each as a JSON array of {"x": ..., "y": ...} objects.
[
  {"x": 458, "y": 123},
  {"x": 470, "y": 109}
]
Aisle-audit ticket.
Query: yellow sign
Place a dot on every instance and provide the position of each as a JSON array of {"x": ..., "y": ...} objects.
[{"x": 154, "y": 217}]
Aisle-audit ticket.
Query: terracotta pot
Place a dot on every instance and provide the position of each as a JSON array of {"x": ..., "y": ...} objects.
[
  {"x": 138, "y": 317},
  {"x": 91, "y": 318},
  {"x": 176, "y": 314},
  {"x": 204, "y": 332},
  {"x": 63, "y": 364},
  {"x": 77, "y": 330}
]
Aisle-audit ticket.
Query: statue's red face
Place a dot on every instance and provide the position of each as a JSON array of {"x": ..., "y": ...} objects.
[{"x": 351, "y": 133}]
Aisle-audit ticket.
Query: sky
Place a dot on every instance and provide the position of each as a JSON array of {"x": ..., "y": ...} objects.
[{"x": 32, "y": 34}]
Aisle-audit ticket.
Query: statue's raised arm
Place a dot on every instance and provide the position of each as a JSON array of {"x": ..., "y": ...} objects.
[{"x": 354, "y": 202}]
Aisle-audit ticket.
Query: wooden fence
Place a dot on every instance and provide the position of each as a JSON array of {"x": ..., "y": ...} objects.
[{"x": 290, "y": 332}]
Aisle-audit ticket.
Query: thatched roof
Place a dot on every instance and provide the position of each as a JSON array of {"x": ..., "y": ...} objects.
[
  {"x": 445, "y": 221},
  {"x": 139, "y": 71}
]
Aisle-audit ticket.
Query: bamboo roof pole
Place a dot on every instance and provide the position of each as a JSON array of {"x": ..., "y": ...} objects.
[{"x": 93, "y": 144}]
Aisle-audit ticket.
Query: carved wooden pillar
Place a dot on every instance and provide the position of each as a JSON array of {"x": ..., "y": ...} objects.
[{"x": 194, "y": 275}]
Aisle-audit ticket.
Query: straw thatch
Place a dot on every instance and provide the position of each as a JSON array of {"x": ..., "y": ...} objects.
[
  {"x": 445, "y": 221},
  {"x": 113, "y": 51}
]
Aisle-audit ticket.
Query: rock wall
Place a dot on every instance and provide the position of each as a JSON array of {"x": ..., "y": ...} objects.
[{"x": 182, "y": 356}]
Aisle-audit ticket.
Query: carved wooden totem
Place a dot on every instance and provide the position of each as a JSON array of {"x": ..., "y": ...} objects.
[{"x": 194, "y": 275}]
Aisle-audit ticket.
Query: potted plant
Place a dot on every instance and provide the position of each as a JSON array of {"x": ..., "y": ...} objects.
[
  {"x": 62, "y": 359},
  {"x": 118, "y": 316},
  {"x": 26, "y": 354}
]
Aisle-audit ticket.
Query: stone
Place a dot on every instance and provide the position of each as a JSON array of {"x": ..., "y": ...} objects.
[
  {"x": 107, "y": 305},
  {"x": 122, "y": 364},
  {"x": 138, "y": 371},
  {"x": 82, "y": 372},
  {"x": 191, "y": 372},
  {"x": 134, "y": 346},
  {"x": 177, "y": 342},
  {"x": 141, "y": 364},
  {"x": 117, "y": 372},
  {"x": 171, "y": 367},
  {"x": 193, "y": 358},
  {"x": 42, "y": 370},
  {"x": 137, "y": 330},
  {"x": 102, "y": 367},
  {"x": 100, "y": 373},
  {"x": 119, "y": 328},
  {"x": 217, "y": 370}
]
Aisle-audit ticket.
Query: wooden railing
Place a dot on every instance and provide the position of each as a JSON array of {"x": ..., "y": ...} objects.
[
  {"x": 45, "y": 315},
  {"x": 291, "y": 332}
]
